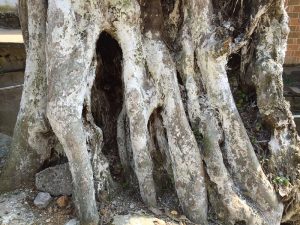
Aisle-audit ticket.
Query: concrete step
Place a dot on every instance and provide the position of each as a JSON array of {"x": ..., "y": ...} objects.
[
  {"x": 11, "y": 79},
  {"x": 11, "y": 36}
]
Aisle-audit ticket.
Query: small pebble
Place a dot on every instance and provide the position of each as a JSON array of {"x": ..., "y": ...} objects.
[
  {"x": 72, "y": 222},
  {"x": 174, "y": 212},
  {"x": 50, "y": 210},
  {"x": 156, "y": 211},
  {"x": 42, "y": 200},
  {"x": 62, "y": 201}
]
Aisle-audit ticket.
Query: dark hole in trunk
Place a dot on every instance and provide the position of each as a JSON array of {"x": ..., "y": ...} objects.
[
  {"x": 242, "y": 222},
  {"x": 245, "y": 99},
  {"x": 167, "y": 6},
  {"x": 107, "y": 97}
]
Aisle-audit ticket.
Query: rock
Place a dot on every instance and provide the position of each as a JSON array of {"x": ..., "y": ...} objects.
[
  {"x": 62, "y": 201},
  {"x": 56, "y": 180},
  {"x": 72, "y": 222},
  {"x": 137, "y": 219},
  {"x": 42, "y": 200},
  {"x": 155, "y": 211},
  {"x": 174, "y": 213}
]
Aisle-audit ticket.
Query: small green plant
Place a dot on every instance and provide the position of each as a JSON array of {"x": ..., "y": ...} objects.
[
  {"x": 253, "y": 140},
  {"x": 125, "y": 184},
  {"x": 280, "y": 180},
  {"x": 197, "y": 135},
  {"x": 240, "y": 98},
  {"x": 258, "y": 126}
]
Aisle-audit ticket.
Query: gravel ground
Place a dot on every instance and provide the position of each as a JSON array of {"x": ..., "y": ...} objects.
[{"x": 124, "y": 208}]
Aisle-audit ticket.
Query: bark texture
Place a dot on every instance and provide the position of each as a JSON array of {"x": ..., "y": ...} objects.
[{"x": 146, "y": 84}]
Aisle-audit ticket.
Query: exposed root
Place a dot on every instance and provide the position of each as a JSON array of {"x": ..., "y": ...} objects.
[
  {"x": 186, "y": 160},
  {"x": 135, "y": 98},
  {"x": 205, "y": 124},
  {"x": 284, "y": 144}
]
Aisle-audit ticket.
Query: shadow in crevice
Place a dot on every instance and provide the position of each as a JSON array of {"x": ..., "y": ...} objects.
[
  {"x": 107, "y": 97},
  {"x": 162, "y": 169}
]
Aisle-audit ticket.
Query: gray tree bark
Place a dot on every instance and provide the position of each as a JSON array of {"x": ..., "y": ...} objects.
[{"x": 150, "y": 78}]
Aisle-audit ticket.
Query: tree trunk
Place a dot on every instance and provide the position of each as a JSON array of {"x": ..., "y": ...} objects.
[{"x": 147, "y": 84}]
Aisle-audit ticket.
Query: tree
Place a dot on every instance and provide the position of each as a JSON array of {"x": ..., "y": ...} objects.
[{"x": 148, "y": 81}]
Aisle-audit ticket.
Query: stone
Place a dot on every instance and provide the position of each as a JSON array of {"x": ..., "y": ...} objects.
[
  {"x": 156, "y": 211},
  {"x": 72, "y": 222},
  {"x": 137, "y": 219},
  {"x": 56, "y": 180},
  {"x": 174, "y": 213},
  {"x": 42, "y": 200},
  {"x": 62, "y": 201}
]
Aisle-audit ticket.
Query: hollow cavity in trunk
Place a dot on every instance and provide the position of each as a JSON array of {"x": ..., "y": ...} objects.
[{"x": 107, "y": 97}]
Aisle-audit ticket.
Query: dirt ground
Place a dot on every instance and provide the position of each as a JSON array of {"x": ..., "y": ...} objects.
[
  {"x": 17, "y": 208},
  {"x": 124, "y": 208}
]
